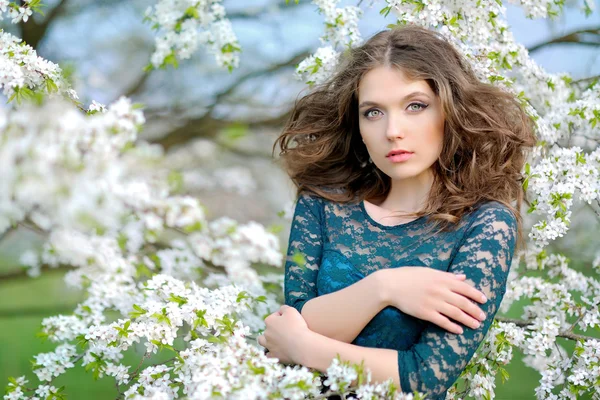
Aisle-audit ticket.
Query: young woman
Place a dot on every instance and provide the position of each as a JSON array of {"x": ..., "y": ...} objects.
[{"x": 408, "y": 175}]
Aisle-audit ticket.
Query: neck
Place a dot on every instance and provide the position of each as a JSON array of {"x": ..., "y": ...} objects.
[{"x": 408, "y": 195}]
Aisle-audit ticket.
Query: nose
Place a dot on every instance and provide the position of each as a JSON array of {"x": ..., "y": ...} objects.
[{"x": 395, "y": 128}]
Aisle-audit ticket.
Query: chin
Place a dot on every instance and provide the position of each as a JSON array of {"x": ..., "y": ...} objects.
[{"x": 406, "y": 174}]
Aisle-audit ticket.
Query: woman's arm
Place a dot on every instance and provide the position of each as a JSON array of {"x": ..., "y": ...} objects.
[
  {"x": 433, "y": 364},
  {"x": 421, "y": 292},
  {"x": 319, "y": 351},
  {"x": 341, "y": 315},
  {"x": 436, "y": 360}
]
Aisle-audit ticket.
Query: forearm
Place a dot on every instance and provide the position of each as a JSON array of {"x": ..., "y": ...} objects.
[
  {"x": 342, "y": 315},
  {"x": 320, "y": 351}
]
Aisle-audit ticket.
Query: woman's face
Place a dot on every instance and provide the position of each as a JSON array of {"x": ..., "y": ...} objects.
[{"x": 401, "y": 123}]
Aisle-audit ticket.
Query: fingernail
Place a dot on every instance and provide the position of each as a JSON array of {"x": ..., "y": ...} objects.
[
  {"x": 459, "y": 331},
  {"x": 477, "y": 325},
  {"x": 482, "y": 316},
  {"x": 484, "y": 299}
]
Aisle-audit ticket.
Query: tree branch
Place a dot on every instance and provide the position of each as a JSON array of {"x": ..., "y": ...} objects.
[
  {"x": 296, "y": 59},
  {"x": 257, "y": 12},
  {"x": 566, "y": 335},
  {"x": 574, "y": 37},
  {"x": 139, "y": 84},
  {"x": 207, "y": 126},
  {"x": 33, "y": 32},
  {"x": 589, "y": 78},
  {"x": 7, "y": 233}
]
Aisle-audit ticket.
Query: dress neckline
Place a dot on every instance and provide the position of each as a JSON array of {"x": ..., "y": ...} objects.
[{"x": 382, "y": 226}]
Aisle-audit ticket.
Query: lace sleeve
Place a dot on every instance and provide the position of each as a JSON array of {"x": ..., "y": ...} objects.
[
  {"x": 435, "y": 361},
  {"x": 304, "y": 252}
]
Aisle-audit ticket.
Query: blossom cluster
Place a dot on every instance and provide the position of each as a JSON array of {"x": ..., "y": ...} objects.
[
  {"x": 18, "y": 12},
  {"x": 22, "y": 71},
  {"x": 318, "y": 67},
  {"x": 184, "y": 25},
  {"x": 560, "y": 177},
  {"x": 341, "y": 24},
  {"x": 341, "y": 32}
]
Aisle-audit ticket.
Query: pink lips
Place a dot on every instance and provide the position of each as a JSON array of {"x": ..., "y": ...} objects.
[{"x": 399, "y": 156}]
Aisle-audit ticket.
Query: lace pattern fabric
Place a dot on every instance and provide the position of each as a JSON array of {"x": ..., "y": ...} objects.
[{"x": 341, "y": 245}]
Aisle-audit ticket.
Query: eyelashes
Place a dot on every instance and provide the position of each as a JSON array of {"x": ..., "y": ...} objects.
[{"x": 421, "y": 106}]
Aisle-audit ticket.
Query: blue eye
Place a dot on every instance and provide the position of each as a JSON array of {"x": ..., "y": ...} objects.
[
  {"x": 369, "y": 115},
  {"x": 421, "y": 106}
]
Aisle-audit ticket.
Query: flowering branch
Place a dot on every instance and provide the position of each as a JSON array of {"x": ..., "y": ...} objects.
[
  {"x": 33, "y": 32},
  {"x": 527, "y": 324}
]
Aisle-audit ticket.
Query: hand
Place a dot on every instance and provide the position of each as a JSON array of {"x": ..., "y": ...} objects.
[
  {"x": 434, "y": 296},
  {"x": 283, "y": 336}
]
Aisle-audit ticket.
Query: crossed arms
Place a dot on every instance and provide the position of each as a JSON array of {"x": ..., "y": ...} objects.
[{"x": 435, "y": 361}]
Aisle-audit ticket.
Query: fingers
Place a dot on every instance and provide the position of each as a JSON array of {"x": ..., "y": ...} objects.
[
  {"x": 261, "y": 340},
  {"x": 469, "y": 291},
  {"x": 466, "y": 306},
  {"x": 460, "y": 316},
  {"x": 446, "y": 324}
]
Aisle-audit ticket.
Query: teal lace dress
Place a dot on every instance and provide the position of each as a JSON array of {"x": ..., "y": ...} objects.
[{"x": 342, "y": 244}]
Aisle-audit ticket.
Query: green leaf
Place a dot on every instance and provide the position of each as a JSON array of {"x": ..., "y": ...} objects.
[
  {"x": 175, "y": 181},
  {"x": 51, "y": 86},
  {"x": 171, "y": 59},
  {"x": 192, "y": 12},
  {"x": 261, "y": 299},
  {"x": 241, "y": 296},
  {"x": 385, "y": 11},
  {"x": 125, "y": 331},
  {"x": 122, "y": 241},
  {"x": 162, "y": 317},
  {"x": 234, "y": 132},
  {"x": 201, "y": 321},
  {"x": 178, "y": 299},
  {"x": 142, "y": 270},
  {"x": 254, "y": 369},
  {"x": 533, "y": 206},
  {"x": 139, "y": 311},
  {"x": 299, "y": 259},
  {"x": 230, "y": 48},
  {"x": 275, "y": 229}
]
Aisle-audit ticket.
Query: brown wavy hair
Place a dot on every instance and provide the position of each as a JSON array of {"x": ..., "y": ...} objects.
[{"x": 486, "y": 133}]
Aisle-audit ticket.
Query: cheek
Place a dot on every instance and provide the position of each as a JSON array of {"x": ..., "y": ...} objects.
[
  {"x": 362, "y": 129},
  {"x": 436, "y": 137}
]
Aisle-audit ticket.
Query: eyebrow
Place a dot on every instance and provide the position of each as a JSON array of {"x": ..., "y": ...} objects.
[{"x": 408, "y": 96}]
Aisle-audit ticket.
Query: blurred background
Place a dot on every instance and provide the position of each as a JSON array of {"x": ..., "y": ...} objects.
[{"x": 217, "y": 130}]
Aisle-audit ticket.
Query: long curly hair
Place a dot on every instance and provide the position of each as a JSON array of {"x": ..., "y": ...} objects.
[{"x": 486, "y": 136}]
